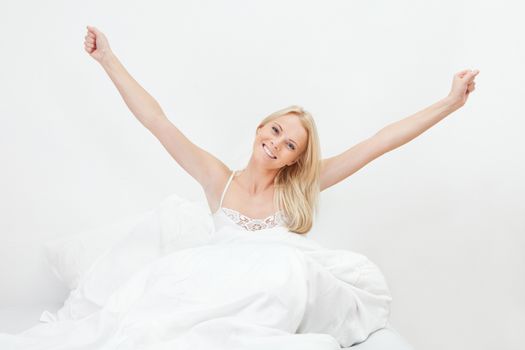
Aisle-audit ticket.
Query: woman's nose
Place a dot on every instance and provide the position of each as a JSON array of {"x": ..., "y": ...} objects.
[{"x": 275, "y": 144}]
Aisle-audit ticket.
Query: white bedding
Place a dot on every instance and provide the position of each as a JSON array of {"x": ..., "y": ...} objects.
[{"x": 229, "y": 289}]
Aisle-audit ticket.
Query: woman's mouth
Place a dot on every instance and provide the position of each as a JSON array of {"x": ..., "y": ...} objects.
[{"x": 268, "y": 152}]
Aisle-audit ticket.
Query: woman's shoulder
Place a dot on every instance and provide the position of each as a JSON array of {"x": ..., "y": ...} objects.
[{"x": 217, "y": 184}]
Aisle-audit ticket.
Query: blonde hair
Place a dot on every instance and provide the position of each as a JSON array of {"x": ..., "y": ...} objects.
[{"x": 297, "y": 186}]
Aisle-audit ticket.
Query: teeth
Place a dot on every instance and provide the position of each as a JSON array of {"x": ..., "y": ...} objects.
[{"x": 268, "y": 151}]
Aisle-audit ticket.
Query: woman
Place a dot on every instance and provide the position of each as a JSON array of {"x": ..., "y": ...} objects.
[
  {"x": 232, "y": 290},
  {"x": 281, "y": 183}
]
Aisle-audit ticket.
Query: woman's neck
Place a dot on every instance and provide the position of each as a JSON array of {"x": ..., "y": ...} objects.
[{"x": 256, "y": 180}]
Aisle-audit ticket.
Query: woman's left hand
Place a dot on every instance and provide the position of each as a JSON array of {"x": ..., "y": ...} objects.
[{"x": 462, "y": 85}]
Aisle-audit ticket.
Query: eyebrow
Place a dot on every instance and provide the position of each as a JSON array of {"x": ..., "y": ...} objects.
[{"x": 282, "y": 130}]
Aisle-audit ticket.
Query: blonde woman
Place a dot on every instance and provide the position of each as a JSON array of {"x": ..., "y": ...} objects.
[
  {"x": 282, "y": 180},
  {"x": 257, "y": 281}
]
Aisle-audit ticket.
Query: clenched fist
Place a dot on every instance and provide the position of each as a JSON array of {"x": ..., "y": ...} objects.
[
  {"x": 462, "y": 85},
  {"x": 96, "y": 44}
]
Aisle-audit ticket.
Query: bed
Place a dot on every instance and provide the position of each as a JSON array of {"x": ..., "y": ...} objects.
[{"x": 102, "y": 269}]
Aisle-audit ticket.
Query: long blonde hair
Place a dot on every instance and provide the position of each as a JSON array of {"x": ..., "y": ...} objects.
[{"x": 297, "y": 186}]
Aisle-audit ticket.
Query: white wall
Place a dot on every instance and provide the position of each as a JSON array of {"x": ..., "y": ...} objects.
[{"x": 443, "y": 216}]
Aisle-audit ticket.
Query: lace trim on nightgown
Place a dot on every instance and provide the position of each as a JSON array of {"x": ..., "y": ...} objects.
[
  {"x": 248, "y": 223},
  {"x": 251, "y": 224}
]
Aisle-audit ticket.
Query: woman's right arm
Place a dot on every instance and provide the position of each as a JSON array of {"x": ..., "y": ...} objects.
[
  {"x": 138, "y": 100},
  {"x": 200, "y": 164}
]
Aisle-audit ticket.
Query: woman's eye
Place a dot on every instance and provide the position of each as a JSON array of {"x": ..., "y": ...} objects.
[{"x": 290, "y": 144}]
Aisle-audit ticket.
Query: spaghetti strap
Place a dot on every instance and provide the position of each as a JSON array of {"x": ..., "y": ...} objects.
[
  {"x": 225, "y": 188},
  {"x": 227, "y": 217}
]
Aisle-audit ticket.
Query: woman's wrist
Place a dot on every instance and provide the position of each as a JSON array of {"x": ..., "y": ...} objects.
[
  {"x": 452, "y": 102},
  {"x": 108, "y": 58}
]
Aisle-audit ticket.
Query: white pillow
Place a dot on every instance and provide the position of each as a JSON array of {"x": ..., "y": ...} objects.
[
  {"x": 175, "y": 224},
  {"x": 117, "y": 251},
  {"x": 71, "y": 256}
]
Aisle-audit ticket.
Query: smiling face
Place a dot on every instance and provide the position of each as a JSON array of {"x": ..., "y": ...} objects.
[{"x": 281, "y": 141}]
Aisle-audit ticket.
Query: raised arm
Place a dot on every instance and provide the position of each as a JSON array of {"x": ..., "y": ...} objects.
[
  {"x": 138, "y": 100},
  {"x": 338, "y": 168},
  {"x": 200, "y": 164}
]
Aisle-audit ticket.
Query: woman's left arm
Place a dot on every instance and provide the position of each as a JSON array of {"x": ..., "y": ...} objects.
[
  {"x": 339, "y": 167},
  {"x": 406, "y": 129}
]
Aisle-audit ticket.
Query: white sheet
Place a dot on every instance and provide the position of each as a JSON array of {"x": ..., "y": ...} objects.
[{"x": 228, "y": 289}]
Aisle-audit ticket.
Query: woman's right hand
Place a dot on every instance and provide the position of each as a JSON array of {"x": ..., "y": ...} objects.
[
  {"x": 96, "y": 44},
  {"x": 462, "y": 85}
]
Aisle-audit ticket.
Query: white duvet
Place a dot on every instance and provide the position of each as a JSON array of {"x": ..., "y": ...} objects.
[{"x": 176, "y": 283}]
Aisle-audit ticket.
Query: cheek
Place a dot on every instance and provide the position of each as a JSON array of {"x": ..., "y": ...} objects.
[{"x": 291, "y": 157}]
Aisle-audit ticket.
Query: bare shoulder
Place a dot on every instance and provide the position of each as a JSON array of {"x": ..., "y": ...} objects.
[{"x": 216, "y": 186}]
